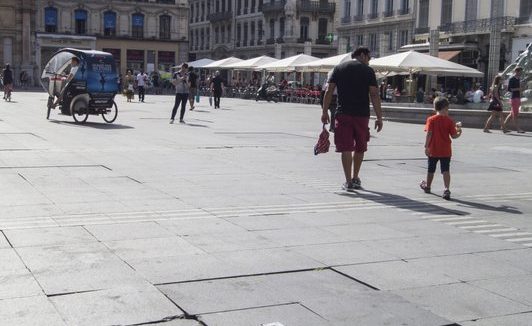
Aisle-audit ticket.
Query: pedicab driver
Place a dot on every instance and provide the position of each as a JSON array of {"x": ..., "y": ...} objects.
[
  {"x": 357, "y": 84},
  {"x": 74, "y": 66}
]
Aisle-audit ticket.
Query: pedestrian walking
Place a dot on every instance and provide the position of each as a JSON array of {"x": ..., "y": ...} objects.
[
  {"x": 193, "y": 90},
  {"x": 495, "y": 106},
  {"x": 217, "y": 88},
  {"x": 357, "y": 84},
  {"x": 440, "y": 128},
  {"x": 129, "y": 85},
  {"x": 7, "y": 81},
  {"x": 181, "y": 83},
  {"x": 514, "y": 86},
  {"x": 142, "y": 78}
]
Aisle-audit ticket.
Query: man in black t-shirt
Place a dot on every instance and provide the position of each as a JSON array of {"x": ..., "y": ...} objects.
[
  {"x": 356, "y": 84},
  {"x": 514, "y": 86},
  {"x": 217, "y": 89},
  {"x": 193, "y": 89}
]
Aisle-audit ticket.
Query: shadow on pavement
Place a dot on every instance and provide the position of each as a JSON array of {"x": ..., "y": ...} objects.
[
  {"x": 402, "y": 202},
  {"x": 95, "y": 125},
  {"x": 519, "y": 135},
  {"x": 502, "y": 208},
  {"x": 196, "y": 125}
]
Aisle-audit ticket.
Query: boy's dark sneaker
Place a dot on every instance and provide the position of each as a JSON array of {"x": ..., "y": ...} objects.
[
  {"x": 348, "y": 186},
  {"x": 357, "y": 184},
  {"x": 423, "y": 185},
  {"x": 446, "y": 195}
]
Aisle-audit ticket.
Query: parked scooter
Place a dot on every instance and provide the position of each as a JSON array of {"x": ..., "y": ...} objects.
[{"x": 269, "y": 93}]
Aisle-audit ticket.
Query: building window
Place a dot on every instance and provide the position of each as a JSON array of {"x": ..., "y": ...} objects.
[
  {"x": 405, "y": 6},
  {"x": 252, "y": 32},
  {"x": 347, "y": 8},
  {"x": 272, "y": 28},
  {"x": 137, "y": 25},
  {"x": 191, "y": 14},
  {"x": 245, "y": 34},
  {"x": 109, "y": 23},
  {"x": 281, "y": 27},
  {"x": 203, "y": 11},
  {"x": 303, "y": 31},
  {"x": 260, "y": 5},
  {"x": 322, "y": 28},
  {"x": 197, "y": 12},
  {"x": 216, "y": 38},
  {"x": 374, "y": 7},
  {"x": 360, "y": 8},
  {"x": 403, "y": 38},
  {"x": 81, "y": 21},
  {"x": 423, "y": 13},
  {"x": 359, "y": 40},
  {"x": 526, "y": 11},
  {"x": 372, "y": 42},
  {"x": 229, "y": 32},
  {"x": 208, "y": 37},
  {"x": 164, "y": 27},
  {"x": 252, "y": 8},
  {"x": 246, "y": 5},
  {"x": 238, "y": 6},
  {"x": 389, "y": 35},
  {"x": 222, "y": 34},
  {"x": 260, "y": 30},
  {"x": 238, "y": 34},
  {"x": 50, "y": 20},
  {"x": 202, "y": 40},
  {"x": 446, "y": 11},
  {"x": 388, "y": 7},
  {"x": 471, "y": 8}
]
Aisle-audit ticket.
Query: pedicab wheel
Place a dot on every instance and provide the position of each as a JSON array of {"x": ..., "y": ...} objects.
[
  {"x": 110, "y": 116},
  {"x": 80, "y": 113}
]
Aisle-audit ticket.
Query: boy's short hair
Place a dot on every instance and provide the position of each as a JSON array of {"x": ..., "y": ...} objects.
[
  {"x": 440, "y": 103},
  {"x": 518, "y": 69}
]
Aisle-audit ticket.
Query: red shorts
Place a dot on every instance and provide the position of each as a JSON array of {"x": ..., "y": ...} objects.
[
  {"x": 351, "y": 133},
  {"x": 516, "y": 104}
]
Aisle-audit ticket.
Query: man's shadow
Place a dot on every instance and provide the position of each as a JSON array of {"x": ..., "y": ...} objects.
[
  {"x": 501, "y": 208},
  {"x": 393, "y": 200}
]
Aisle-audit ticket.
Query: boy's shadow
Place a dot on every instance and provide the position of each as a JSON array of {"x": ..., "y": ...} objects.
[
  {"x": 502, "y": 208},
  {"x": 402, "y": 202}
]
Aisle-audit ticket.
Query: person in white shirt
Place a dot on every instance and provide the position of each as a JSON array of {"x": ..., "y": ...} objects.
[
  {"x": 478, "y": 95},
  {"x": 142, "y": 77}
]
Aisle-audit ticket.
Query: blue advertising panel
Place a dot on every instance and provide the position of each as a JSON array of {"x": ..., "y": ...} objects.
[
  {"x": 99, "y": 72},
  {"x": 80, "y": 14},
  {"x": 138, "y": 20},
  {"x": 109, "y": 20}
]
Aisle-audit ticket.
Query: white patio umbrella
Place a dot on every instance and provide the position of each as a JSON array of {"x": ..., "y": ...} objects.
[
  {"x": 252, "y": 64},
  {"x": 200, "y": 63},
  {"x": 326, "y": 64},
  {"x": 288, "y": 64},
  {"x": 222, "y": 64},
  {"x": 415, "y": 62}
]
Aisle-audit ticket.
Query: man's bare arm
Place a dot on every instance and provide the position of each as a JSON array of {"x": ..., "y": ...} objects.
[{"x": 376, "y": 101}]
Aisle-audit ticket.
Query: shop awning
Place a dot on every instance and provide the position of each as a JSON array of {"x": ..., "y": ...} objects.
[{"x": 448, "y": 55}]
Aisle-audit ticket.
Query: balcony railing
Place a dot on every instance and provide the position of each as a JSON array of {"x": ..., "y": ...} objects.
[
  {"x": 274, "y": 7},
  {"x": 479, "y": 25},
  {"x": 165, "y": 2},
  {"x": 403, "y": 11},
  {"x": 220, "y": 16},
  {"x": 317, "y": 7},
  {"x": 280, "y": 40},
  {"x": 422, "y": 30},
  {"x": 303, "y": 40},
  {"x": 346, "y": 20},
  {"x": 322, "y": 41},
  {"x": 524, "y": 20},
  {"x": 270, "y": 41},
  {"x": 358, "y": 18},
  {"x": 387, "y": 13},
  {"x": 373, "y": 15}
]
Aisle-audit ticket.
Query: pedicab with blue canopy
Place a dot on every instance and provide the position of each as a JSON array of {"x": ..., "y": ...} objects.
[{"x": 81, "y": 83}]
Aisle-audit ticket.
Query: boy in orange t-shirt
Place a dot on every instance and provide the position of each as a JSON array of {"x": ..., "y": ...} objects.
[{"x": 440, "y": 129}]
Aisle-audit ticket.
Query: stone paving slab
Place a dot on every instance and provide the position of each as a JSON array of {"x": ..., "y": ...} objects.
[
  {"x": 511, "y": 320},
  {"x": 286, "y": 315},
  {"x": 191, "y": 226},
  {"x": 123, "y": 306},
  {"x": 18, "y": 285},
  {"x": 127, "y": 231},
  {"x": 344, "y": 253},
  {"x": 28, "y": 311},
  {"x": 48, "y": 236},
  {"x": 395, "y": 275},
  {"x": 520, "y": 257},
  {"x": 462, "y": 302},
  {"x": 516, "y": 288},
  {"x": 150, "y": 248}
]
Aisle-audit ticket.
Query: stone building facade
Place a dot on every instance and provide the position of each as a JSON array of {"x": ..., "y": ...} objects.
[
  {"x": 16, "y": 28},
  {"x": 382, "y": 25},
  {"x": 142, "y": 35},
  {"x": 251, "y": 28}
]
